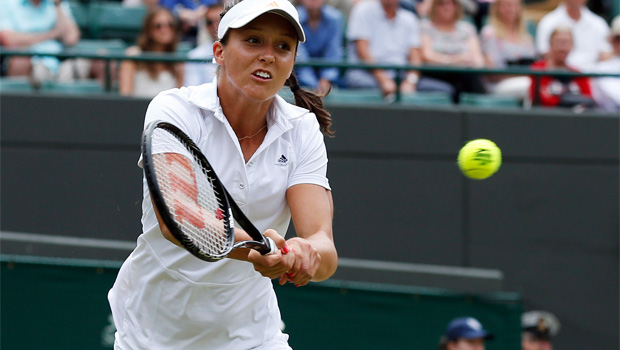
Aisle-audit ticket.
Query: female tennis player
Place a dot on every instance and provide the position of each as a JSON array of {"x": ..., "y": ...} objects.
[{"x": 271, "y": 157}]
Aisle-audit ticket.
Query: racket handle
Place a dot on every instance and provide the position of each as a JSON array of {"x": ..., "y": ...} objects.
[{"x": 272, "y": 245}]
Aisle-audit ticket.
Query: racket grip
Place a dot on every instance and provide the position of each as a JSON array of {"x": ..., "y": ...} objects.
[{"x": 272, "y": 245}]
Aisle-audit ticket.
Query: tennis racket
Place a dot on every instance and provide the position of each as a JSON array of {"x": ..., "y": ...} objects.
[{"x": 190, "y": 199}]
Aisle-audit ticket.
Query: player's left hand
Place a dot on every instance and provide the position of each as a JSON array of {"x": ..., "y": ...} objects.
[{"x": 307, "y": 261}]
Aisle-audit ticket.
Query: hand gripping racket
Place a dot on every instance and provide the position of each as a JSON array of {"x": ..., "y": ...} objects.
[{"x": 190, "y": 199}]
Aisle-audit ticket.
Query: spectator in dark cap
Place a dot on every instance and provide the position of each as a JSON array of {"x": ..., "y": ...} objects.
[
  {"x": 464, "y": 333},
  {"x": 539, "y": 328}
]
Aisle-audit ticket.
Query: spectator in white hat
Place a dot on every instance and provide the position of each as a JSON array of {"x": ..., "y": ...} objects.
[{"x": 538, "y": 330}]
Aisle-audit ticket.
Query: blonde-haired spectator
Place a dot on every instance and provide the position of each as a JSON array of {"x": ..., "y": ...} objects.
[
  {"x": 449, "y": 41},
  {"x": 506, "y": 42}
]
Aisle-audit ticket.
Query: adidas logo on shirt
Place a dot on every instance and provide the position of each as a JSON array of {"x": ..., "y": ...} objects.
[{"x": 282, "y": 161}]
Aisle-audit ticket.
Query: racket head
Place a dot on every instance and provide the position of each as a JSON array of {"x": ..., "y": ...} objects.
[{"x": 190, "y": 199}]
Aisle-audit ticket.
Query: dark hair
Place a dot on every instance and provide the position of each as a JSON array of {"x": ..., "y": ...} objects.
[
  {"x": 147, "y": 44},
  {"x": 303, "y": 98}
]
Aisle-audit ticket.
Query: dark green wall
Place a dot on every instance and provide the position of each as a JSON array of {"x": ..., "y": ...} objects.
[
  {"x": 548, "y": 219},
  {"x": 61, "y": 304}
]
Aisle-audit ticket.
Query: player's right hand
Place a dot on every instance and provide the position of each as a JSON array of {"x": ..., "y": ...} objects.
[{"x": 273, "y": 265}]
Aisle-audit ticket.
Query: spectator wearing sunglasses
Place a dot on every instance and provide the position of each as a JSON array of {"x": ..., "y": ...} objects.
[{"x": 147, "y": 78}]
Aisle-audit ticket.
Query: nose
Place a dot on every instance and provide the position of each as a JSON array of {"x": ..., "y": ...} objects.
[{"x": 267, "y": 55}]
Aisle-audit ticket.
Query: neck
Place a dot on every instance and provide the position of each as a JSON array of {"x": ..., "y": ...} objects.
[
  {"x": 314, "y": 17},
  {"x": 574, "y": 11},
  {"x": 245, "y": 116},
  {"x": 390, "y": 12},
  {"x": 551, "y": 63},
  {"x": 314, "y": 13},
  {"x": 510, "y": 26},
  {"x": 444, "y": 24},
  {"x": 160, "y": 47}
]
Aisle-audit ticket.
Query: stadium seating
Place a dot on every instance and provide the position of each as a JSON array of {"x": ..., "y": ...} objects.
[
  {"x": 426, "y": 99},
  {"x": 354, "y": 96},
  {"x": 80, "y": 87},
  {"x": 20, "y": 84},
  {"x": 108, "y": 20},
  {"x": 111, "y": 20},
  {"x": 488, "y": 101}
]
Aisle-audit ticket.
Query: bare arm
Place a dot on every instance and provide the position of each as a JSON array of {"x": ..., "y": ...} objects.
[
  {"x": 65, "y": 30},
  {"x": 385, "y": 82},
  {"x": 10, "y": 38},
  {"x": 604, "y": 56},
  {"x": 410, "y": 83},
  {"x": 126, "y": 75},
  {"x": 127, "y": 72},
  {"x": 475, "y": 52},
  {"x": 312, "y": 210},
  {"x": 68, "y": 29},
  {"x": 180, "y": 70},
  {"x": 429, "y": 55}
]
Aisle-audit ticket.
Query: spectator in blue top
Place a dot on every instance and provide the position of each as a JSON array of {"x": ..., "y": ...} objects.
[
  {"x": 189, "y": 13},
  {"x": 323, "y": 26},
  {"x": 43, "y": 26}
]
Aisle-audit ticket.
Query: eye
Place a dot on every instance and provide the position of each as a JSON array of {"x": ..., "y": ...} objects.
[
  {"x": 284, "y": 46},
  {"x": 252, "y": 40}
]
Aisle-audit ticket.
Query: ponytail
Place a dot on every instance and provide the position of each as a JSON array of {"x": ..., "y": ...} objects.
[{"x": 312, "y": 102}]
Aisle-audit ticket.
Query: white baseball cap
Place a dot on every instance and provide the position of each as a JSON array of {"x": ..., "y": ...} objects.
[{"x": 246, "y": 11}]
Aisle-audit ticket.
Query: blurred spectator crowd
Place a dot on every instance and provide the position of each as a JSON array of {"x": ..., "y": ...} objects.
[
  {"x": 538, "y": 330},
  {"x": 443, "y": 34}
]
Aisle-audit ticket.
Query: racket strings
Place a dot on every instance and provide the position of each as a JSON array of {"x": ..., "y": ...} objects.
[{"x": 190, "y": 196}]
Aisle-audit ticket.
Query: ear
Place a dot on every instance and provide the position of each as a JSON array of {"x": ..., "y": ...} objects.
[{"x": 218, "y": 53}]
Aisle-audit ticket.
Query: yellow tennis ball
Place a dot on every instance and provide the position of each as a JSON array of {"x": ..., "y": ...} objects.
[{"x": 479, "y": 159}]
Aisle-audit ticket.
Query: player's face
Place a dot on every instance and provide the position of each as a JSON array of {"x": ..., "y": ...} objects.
[
  {"x": 467, "y": 344},
  {"x": 259, "y": 57}
]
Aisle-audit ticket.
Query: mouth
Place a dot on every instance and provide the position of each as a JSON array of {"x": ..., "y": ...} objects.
[{"x": 262, "y": 74}]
